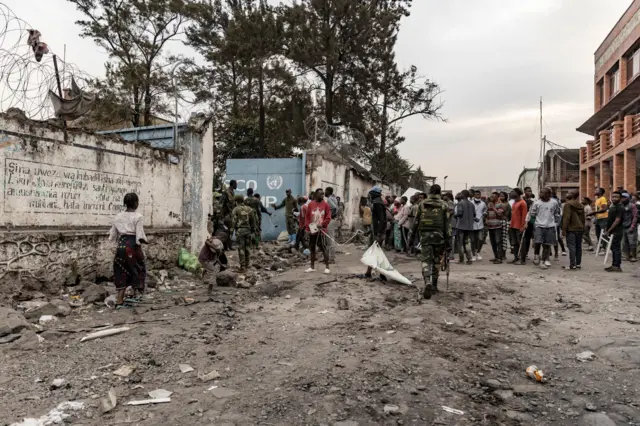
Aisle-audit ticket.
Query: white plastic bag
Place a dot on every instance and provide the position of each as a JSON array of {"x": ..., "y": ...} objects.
[{"x": 376, "y": 259}]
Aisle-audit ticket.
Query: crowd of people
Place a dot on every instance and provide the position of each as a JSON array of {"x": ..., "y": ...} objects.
[
  {"x": 436, "y": 226},
  {"x": 517, "y": 221}
]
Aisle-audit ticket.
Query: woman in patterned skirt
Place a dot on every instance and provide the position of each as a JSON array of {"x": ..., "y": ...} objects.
[{"x": 129, "y": 264}]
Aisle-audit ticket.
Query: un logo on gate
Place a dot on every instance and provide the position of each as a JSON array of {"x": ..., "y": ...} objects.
[{"x": 274, "y": 182}]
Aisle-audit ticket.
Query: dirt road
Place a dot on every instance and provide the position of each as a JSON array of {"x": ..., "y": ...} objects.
[{"x": 303, "y": 351}]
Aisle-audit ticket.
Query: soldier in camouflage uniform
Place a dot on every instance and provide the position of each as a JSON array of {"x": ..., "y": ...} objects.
[
  {"x": 243, "y": 221},
  {"x": 225, "y": 207},
  {"x": 290, "y": 204},
  {"x": 432, "y": 222},
  {"x": 254, "y": 204}
]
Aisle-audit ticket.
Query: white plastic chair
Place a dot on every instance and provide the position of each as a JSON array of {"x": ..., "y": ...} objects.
[{"x": 608, "y": 241}]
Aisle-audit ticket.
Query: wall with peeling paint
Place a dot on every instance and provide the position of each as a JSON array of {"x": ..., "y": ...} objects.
[{"x": 60, "y": 193}]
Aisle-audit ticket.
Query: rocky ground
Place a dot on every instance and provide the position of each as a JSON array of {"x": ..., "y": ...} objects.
[{"x": 296, "y": 349}]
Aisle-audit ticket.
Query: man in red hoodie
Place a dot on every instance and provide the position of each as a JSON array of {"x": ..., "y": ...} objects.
[{"x": 317, "y": 221}]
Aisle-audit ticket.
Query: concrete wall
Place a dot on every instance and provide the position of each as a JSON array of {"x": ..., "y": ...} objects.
[
  {"x": 60, "y": 194},
  {"x": 323, "y": 170}
]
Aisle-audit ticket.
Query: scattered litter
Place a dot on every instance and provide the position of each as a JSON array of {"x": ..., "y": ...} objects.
[
  {"x": 288, "y": 296},
  {"x": 343, "y": 304},
  {"x": 376, "y": 259},
  {"x": 124, "y": 371},
  {"x": 110, "y": 302},
  {"x": 447, "y": 322},
  {"x": 391, "y": 409},
  {"x": 46, "y": 318},
  {"x": 137, "y": 387},
  {"x": 213, "y": 387},
  {"x": 104, "y": 333},
  {"x": 390, "y": 331},
  {"x": 160, "y": 394},
  {"x": 58, "y": 383},
  {"x": 535, "y": 373},
  {"x": 586, "y": 356},
  {"x": 189, "y": 300},
  {"x": 110, "y": 402},
  {"x": 210, "y": 376},
  {"x": 185, "y": 368},
  {"x": 324, "y": 312},
  {"x": 452, "y": 410},
  {"x": 149, "y": 401},
  {"x": 495, "y": 331},
  {"x": 54, "y": 417},
  {"x": 286, "y": 364}
]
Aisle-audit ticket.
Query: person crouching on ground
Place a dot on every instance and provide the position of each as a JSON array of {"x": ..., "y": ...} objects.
[
  {"x": 213, "y": 260},
  {"x": 573, "y": 228},
  {"x": 129, "y": 264},
  {"x": 318, "y": 220}
]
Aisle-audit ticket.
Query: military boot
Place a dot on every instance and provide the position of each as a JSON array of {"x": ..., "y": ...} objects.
[{"x": 428, "y": 286}]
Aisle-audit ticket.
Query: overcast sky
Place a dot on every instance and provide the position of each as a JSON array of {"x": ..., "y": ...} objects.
[{"x": 493, "y": 59}]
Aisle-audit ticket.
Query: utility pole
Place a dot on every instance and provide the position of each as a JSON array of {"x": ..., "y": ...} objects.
[{"x": 542, "y": 145}]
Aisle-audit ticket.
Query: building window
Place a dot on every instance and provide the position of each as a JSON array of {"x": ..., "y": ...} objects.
[
  {"x": 614, "y": 82},
  {"x": 600, "y": 88},
  {"x": 633, "y": 65}
]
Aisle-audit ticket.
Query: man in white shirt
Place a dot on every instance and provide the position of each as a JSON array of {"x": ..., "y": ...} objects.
[
  {"x": 478, "y": 225},
  {"x": 545, "y": 211}
]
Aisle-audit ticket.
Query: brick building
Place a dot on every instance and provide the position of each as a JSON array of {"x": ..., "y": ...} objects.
[
  {"x": 561, "y": 171},
  {"x": 609, "y": 159}
]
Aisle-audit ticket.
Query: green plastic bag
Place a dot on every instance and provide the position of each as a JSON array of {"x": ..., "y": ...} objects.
[{"x": 183, "y": 257}]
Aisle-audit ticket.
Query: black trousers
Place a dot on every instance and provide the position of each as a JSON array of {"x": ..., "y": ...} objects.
[
  {"x": 574, "y": 241},
  {"x": 515, "y": 236},
  {"x": 495, "y": 237},
  {"x": 616, "y": 250}
]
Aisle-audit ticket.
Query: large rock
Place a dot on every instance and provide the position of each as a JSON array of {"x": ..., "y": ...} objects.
[
  {"x": 95, "y": 293},
  {"x": 596, "y": 419},
  {"x": 227, "y": 279},
  {"x": 11, "y": 322},
  {"x": 54, "y": 307}
]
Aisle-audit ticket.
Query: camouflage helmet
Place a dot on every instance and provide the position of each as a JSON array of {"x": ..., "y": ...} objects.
[{"x": 239, "y": 198}]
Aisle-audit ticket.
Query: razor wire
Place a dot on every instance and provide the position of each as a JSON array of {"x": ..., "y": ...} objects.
[{"x": 25, "y": 82}]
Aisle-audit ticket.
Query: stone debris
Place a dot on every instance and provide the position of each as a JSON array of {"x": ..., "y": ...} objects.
[
  {"x": 57, "y": 384},
  {"x": 109, "y": 403},
  {"x": 94, "y": 293},
  {"x": 185, "y": 368},
  {"x": 55, "y": 307},
  {"x": 124, "y": 371},
  {"x": 586, "y": 356},
  {"x": 209, "y": 376}
]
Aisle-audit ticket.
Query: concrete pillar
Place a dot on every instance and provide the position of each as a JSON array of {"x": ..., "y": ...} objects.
[
  {"x": 630, "y": 170},
  {"x": 628, "y": 126},
  {"x": 590, "y": 150},
  {"x": 618, "y": 171},
  {"x": 605, "y": 177},
  {"x": 616, "y": 134},
  {"x": 583, "y": 183},
  {"x": 604, "y": 140},
  {"x": 591, "y": 181}
]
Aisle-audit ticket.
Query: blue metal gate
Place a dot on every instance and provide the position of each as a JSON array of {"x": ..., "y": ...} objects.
[{"x": 269, "y": 177}]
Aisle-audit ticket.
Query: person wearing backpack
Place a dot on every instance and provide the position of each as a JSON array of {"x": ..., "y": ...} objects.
[{"x": 432, "y": 221}]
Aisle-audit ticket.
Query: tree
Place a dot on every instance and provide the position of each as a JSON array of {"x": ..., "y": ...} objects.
[
  {"x": 258, "y": 103},
  {"x": 336, "y": 41},
  {"x": 134, "y": 34},
  {"x": 418, "y": 180}
]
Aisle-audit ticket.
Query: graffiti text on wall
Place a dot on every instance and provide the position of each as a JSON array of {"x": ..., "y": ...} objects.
[{"x": 35, "y": 187}]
